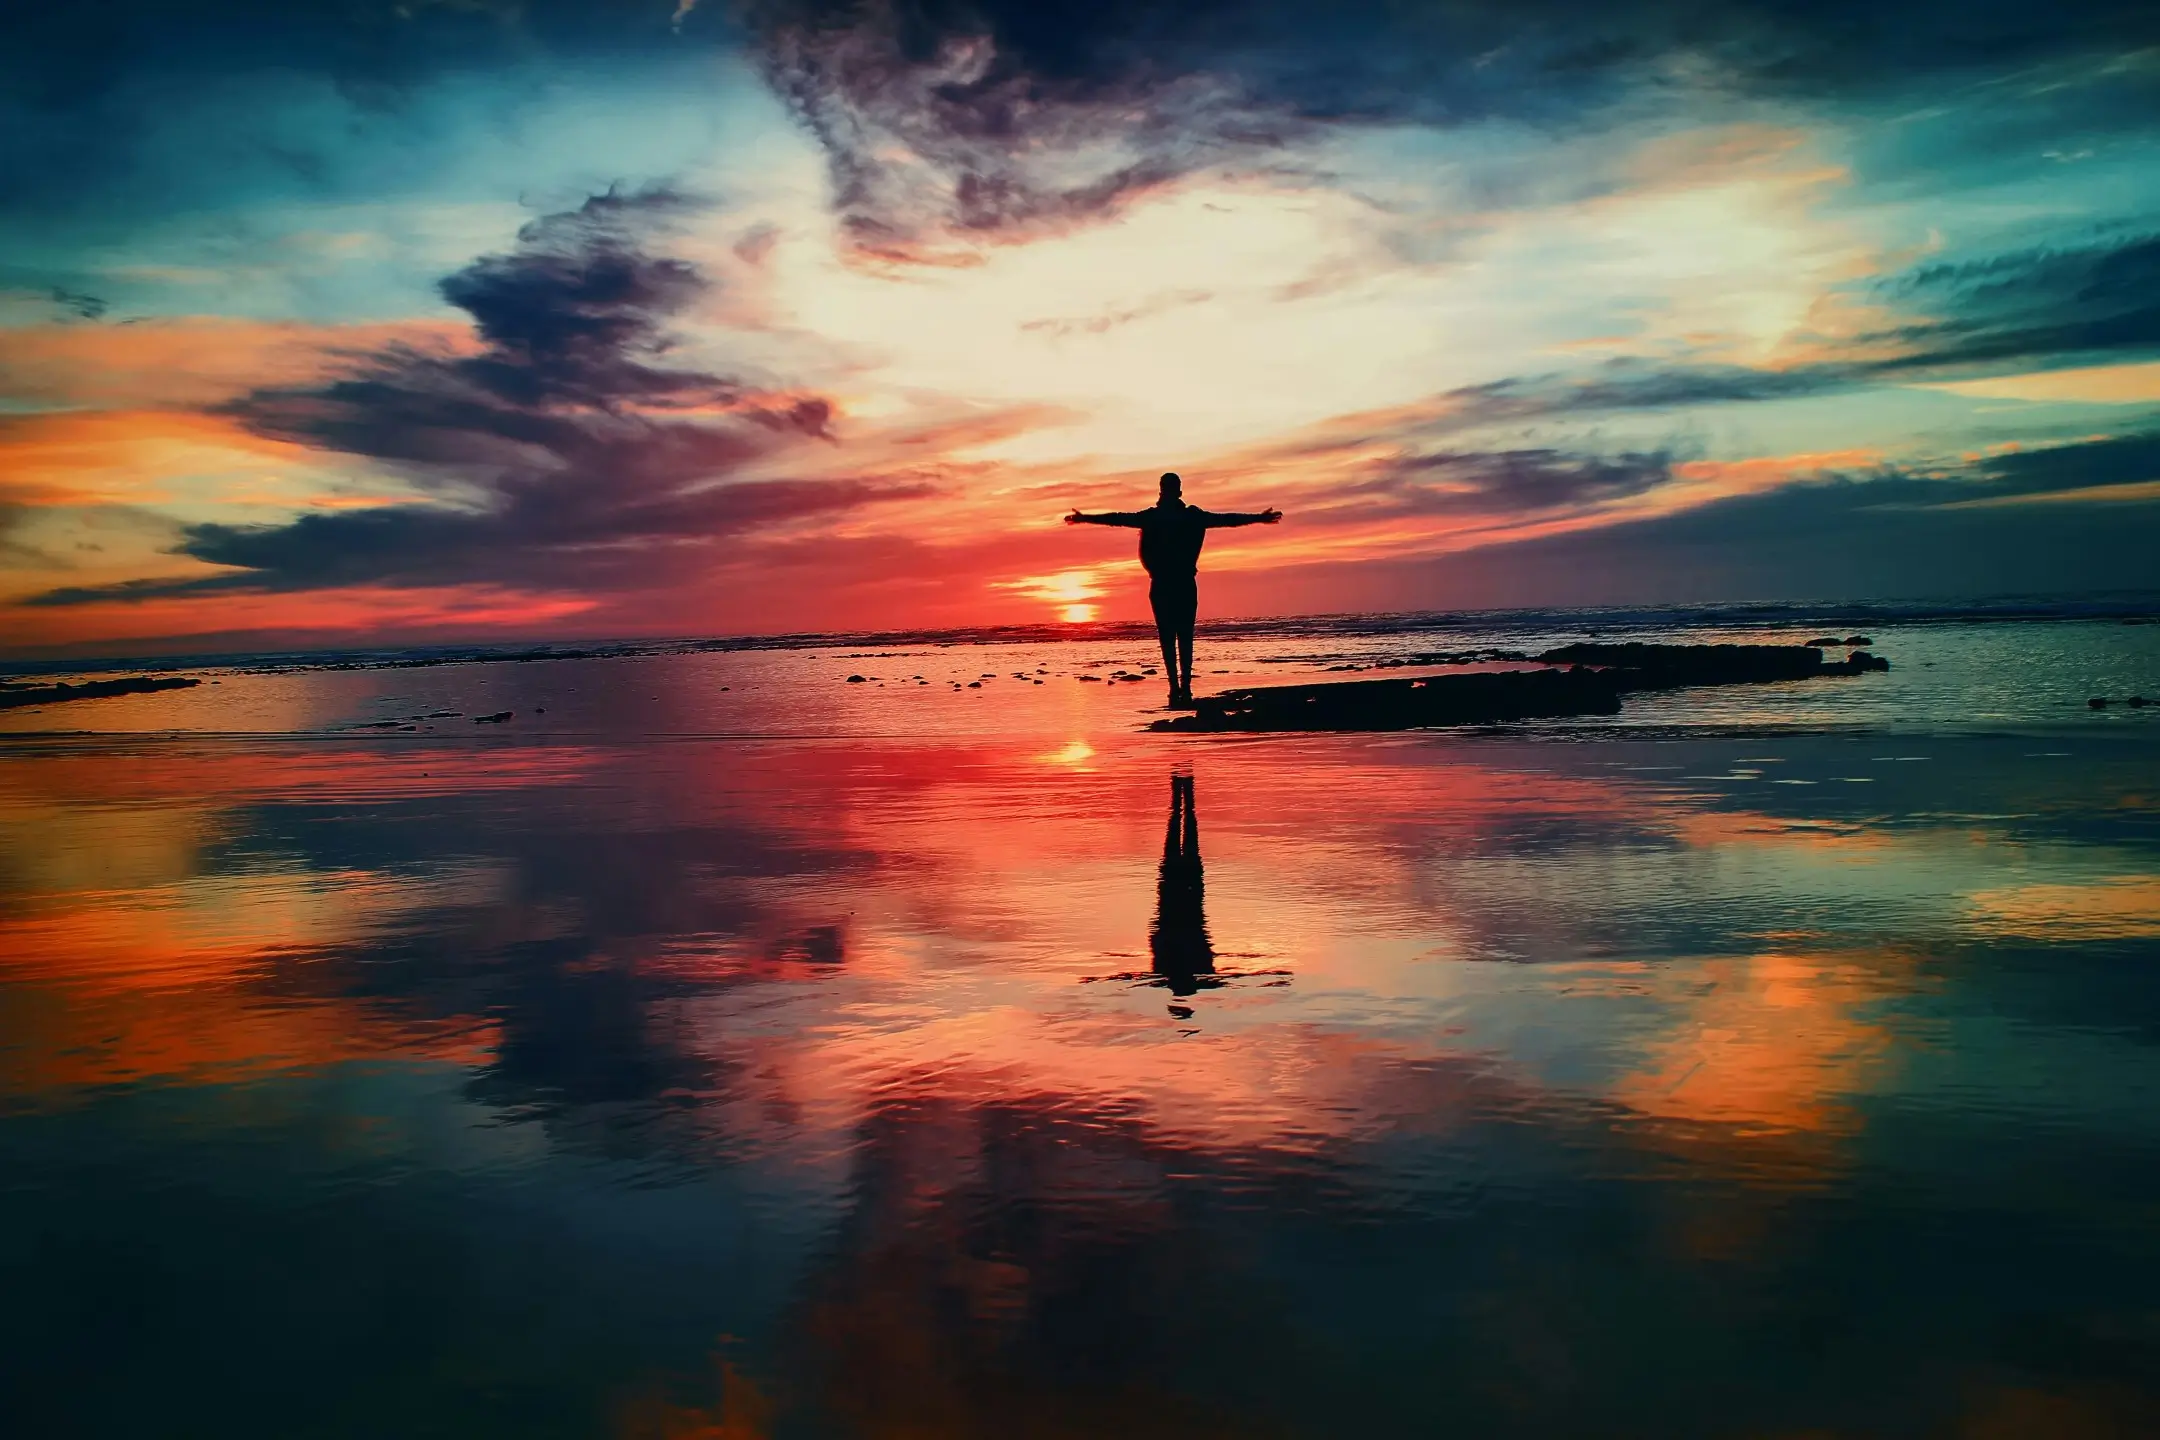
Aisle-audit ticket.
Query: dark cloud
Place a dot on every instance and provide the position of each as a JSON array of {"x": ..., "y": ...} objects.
[
  {"x": 991, "y": 118},
  {"x": 2000, "y": 525},
  {"x": 1628, "y": 384},
  {"x": 2088, "y": 465},
  {"x": 78, "y": 304},
  {"x": 2095, "y": 299},
  {"x": 1494, "y": 482},
  {"x": 563, "y": 453}
]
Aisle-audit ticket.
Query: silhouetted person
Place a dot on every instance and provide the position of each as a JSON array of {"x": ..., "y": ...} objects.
[
  {"x": 1179, "y": 939},
  {"x": 1171, "y": 534}
]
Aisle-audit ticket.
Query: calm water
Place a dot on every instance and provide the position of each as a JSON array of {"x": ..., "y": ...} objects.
[{"x": 805, "y": 1058}]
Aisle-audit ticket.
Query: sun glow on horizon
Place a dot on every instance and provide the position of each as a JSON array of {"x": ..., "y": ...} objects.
[{"x": 1072, "y": 592}]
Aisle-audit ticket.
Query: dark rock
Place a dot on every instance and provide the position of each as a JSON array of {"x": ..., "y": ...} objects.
[
  {"x": 1595, "y": 678},
  {"x": 2098, "y": 702},
  {"x": 1405, "y": 704},
  {"x": 1823, "y": 640},
  {"x": 2136, "y": 702},
  {"x": 1858, "y": 640},
  {"x": 974, "y": 684},
  {"x": 1666, "y": 667},
  {"x": 92, "y": 690},
  {"x": 854, "y": 679},
  {"x": 495, "y": 719}
]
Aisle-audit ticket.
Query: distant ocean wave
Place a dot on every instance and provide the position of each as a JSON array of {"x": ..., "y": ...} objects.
[{"x": 2132, "y": 607}]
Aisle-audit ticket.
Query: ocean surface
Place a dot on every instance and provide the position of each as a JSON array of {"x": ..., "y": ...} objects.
[{"x": 724, "y": 1047}]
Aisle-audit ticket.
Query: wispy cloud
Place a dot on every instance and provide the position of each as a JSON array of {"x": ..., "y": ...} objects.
[{"x": 1110, "y": 319}]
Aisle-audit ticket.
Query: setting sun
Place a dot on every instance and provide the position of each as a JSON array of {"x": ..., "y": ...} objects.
[{"x": 1072, "y": 592}]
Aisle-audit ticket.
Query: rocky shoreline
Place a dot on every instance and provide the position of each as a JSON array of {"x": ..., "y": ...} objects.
[{"x": 15, "y": 697}]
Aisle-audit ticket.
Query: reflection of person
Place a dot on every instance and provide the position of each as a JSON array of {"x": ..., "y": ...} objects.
[
  {"x": 1171, "y": 534},
  {"x": 1179, "y": 938}
]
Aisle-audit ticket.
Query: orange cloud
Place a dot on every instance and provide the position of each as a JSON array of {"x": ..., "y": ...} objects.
[
  {"x": 138, "y": 457},
  {"x": 189, "y": 361},
  {"x": 273, "y": 619}
]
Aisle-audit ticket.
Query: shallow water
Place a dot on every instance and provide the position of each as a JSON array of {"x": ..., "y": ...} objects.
[
  {"x": 589, "y": 1075},
  {"x": 1948, "y": 675}
]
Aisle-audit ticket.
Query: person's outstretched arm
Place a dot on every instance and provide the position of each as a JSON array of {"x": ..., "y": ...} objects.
[
  {"x": 1130, "y": 519},
  {"x": 1231, "y": 519}
]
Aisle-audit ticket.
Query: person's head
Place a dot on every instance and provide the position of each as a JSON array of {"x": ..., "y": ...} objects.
[{"x": 1173, "y": 489}]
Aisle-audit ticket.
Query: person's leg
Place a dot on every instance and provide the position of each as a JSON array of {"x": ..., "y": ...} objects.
[
  {"x": 1166, "y": 614},
  {"x": 1188, "y": 611}
]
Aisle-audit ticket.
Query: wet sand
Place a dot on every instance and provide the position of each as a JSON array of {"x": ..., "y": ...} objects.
[{"x": 546, "y": 1084}]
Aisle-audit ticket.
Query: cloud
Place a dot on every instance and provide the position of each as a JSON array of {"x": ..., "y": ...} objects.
[
  {"x": 2118, "y": 461},
  {"x": 2016, "y": 312},
  {"x": 563, "y": 452},
  {"x": 980, "y": 125},
  {"x": 1630, "y": 384},
  {"x": 2087, "y": 300},
  {"x": 81, "y": 306},
  {"x": 1966, "y": 529},
  {"x": 1106, "y": 320},
  {"x": 951, "y": 122},
  {"x": 1511, "y": 483}
]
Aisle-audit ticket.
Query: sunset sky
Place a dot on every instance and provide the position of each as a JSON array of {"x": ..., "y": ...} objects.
[{"x": 480, "y": 319}]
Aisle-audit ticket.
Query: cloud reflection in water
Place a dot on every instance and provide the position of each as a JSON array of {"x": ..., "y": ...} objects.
[{"x": 1592, "y": 1080}]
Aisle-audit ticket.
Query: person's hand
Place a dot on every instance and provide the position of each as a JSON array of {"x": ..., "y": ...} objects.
[
  {"x": 1270, "y": 516},
  {"x": 1073, "y": 519}
]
